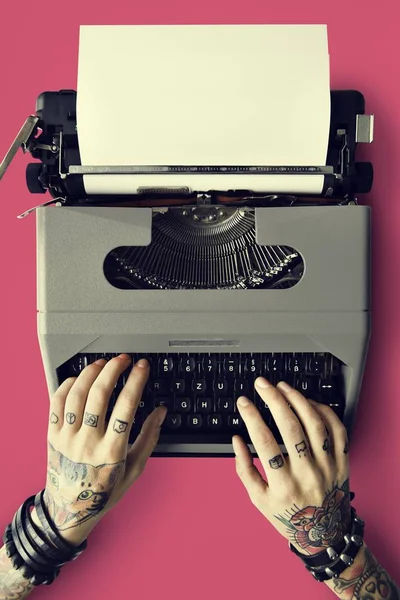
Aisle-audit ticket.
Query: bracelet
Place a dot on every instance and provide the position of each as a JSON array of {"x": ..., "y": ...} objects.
[
  {"x": 60, "y": 543},
  {"x": 330, "y": 563},
  {"x": 37, "y": 554}
]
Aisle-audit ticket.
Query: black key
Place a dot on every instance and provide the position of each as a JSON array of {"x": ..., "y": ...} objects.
[
  {"x": 316, "y": 364},
  {"x": 204, "y": 405},
  {"x": 183, "y": 405},
  {"x": 253, "y": 365},
  {"x": 225, "y": 405},
  {"x": 240, "y": 386},
  {"x": 296, "y": 364},
  {"x": 195, "y": 421},
  {"x": 141, "y": 405},
  {"x": 231, "y": 365},
  {"x": 165, "y": 365},
  {"x": 161, "y": 401},
  {"x": 338, "y": 408},
  {"x": 235, "y": 422},
  {"x": 305, "y": 385},
  {"x": 275, "y": 363},
  {"x": 173, "y": 421},
  {"x": 209, "y": 364},
  {"x": 327, "y": 387},
  {"x": 214, "y": 421},
  {"x": 79, "y": 362},
  {"x": 221, "y": 386},
  {"x": 178, "y": 386},
  {"x": 188, "y": 364},
  {"x": 335, "y": 366},
  {"x": 159, "y": 386},
  {"x": 199, "y": 386}
]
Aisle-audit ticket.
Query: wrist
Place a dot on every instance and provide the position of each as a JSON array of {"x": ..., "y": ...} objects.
[{"x": 73, "y": 536}]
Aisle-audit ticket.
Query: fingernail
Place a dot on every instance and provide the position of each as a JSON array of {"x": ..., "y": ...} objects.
[
  {"x": 142, "y": 363},
  {"x": 284, "y": 386},
  {"x": 124, "y": 357},
  {"x": 101, "y": 361},
  {"x": 162, "y": 413},
  {"x": 243, "y": 401},
  {"x": 263, "y": 383}
]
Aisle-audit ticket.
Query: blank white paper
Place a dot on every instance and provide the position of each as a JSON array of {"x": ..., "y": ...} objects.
[{"x": 203, "y": 95}]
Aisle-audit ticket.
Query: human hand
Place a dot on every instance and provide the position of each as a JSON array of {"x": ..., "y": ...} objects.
[
  {"x": 89, "y": 465},
  {"x": 306, "y": 496}
]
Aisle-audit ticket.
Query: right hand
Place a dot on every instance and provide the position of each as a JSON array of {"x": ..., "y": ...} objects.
[
  {"x": 306, "y": 496},
  {"x": 89, "y": 465}
]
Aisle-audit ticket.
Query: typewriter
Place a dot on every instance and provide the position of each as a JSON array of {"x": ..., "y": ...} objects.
[{"x": 212, "y": 287}]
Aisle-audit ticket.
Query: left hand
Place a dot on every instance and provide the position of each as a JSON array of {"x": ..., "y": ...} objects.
[{"x": 89, "y": 464}]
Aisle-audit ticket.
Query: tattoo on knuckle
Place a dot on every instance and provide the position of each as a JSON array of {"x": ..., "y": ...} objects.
[
  {"x": 70, "y": 418},
  {"x": 120, "y": 426},
  {"x": 276, "y": 462},
  {"x": 91, "y": 419},
  {"x": 302, "y": 449},
  {"x": 54, "y": 418},
  {"x": 326, "y": 447}
]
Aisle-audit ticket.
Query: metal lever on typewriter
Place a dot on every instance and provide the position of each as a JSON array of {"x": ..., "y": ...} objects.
[{"x": 25, "y": 139}]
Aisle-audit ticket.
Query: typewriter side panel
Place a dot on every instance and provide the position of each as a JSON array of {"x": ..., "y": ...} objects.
[{"x": 72, "y": 244}]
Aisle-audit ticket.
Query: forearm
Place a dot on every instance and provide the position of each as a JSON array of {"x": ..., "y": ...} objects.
[
  {"x": 13, "y": 586},
  {"x": 365, "y": 580}
]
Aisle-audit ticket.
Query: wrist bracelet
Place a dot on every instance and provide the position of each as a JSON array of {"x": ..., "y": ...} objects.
[
  {"x": 31, "y": 550},
  {"x": 330, "y": 563},
  {"x": 60, "y": 543}
]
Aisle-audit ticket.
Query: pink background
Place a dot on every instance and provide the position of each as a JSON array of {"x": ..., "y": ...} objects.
[{"x": 187, "y": 529}]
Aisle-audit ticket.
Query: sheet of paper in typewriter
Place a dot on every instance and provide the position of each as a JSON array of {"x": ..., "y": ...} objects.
[{"x": 203, "y": 95}]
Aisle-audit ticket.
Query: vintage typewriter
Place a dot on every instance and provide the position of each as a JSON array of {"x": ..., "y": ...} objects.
[{"x": 213, "y": 287}]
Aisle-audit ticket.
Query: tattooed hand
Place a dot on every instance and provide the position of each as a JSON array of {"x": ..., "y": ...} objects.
[
  {"x": 89, "y": 465},
  {"x": 306, "y": 495}
]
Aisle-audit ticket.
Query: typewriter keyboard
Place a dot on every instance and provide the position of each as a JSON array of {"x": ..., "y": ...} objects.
[{"x": 200, "y": 390}]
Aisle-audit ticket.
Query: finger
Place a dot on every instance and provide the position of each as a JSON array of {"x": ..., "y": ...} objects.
[
  {"x": 57, "y": 404},
  {"x": 123, "y": 413},
  {"x": 288, "y": 424},
  {"x": 263, "y": 439},
  {"x": 144, "y": 444},
  {"x": 313, "y": 424},
  {"x": 247, "y": 472},
  {"x": 339, "y": 439},
  {"x": 77, "y": 396},
  {"x": 100, "y": 392}
]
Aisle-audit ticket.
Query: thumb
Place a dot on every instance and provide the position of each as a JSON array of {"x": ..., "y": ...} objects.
[{"x": 144, "y": 444}]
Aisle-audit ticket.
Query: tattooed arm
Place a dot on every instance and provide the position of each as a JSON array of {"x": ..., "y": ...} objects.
[
  {"x": 306, "y": 496},
  {"x": 12, "y": 585},
  {"x": 90, "y": 466},
  {"x": 365, "y": 580}
]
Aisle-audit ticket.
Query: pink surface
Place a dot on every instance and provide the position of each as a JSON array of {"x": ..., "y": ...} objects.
[{"x": 187, "y": 529}]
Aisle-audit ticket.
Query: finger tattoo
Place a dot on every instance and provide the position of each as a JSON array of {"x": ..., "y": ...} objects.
[
  {"x": 70, "y": 418},
  {"x": 276, "y": 462},
  {"x": 91, "y": 420},
  {"x": 301, "y": 449},
  {"x": 53, "y": 418},
  {"x": 327, "y": 446},
  {"x": 120, "y": 426},
  {"x": 346, "y": 448}
]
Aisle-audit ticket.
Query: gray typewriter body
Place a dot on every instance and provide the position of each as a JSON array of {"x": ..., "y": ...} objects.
[{"x": 327, "y": 311}]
